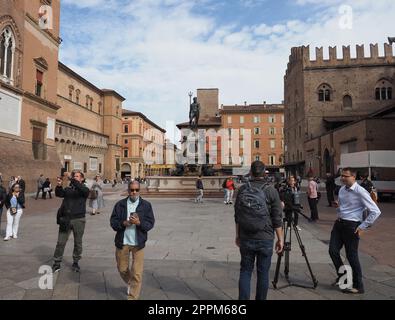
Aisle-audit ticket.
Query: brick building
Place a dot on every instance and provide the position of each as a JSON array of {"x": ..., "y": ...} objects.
[
  {"x": 336, "y": 106},
  {"x": 51, "y": 119},
  {"x": 263, "y": 124}
]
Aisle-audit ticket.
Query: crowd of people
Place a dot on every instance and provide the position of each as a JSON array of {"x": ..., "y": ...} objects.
[{"x": 260, "y": 209}]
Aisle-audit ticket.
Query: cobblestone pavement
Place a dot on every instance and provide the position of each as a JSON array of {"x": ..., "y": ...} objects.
[{"x": 190, "y": 255}]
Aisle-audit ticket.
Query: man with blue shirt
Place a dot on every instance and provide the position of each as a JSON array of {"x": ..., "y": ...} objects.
[
  {"x": 132, "y": 218},
  {"x": 352, "y": 202}
]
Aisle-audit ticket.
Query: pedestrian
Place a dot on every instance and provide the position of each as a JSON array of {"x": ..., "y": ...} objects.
[
  {"x": 40, "y": 182},
  {"x": 131, "y": 219},
  {"x": 97, "y": 202},
  {"x": 290, "y": 197},
  {"x": 366, "y": 183},
  {"x": 200, "y": 190},
  {"x": 330, "y": 187},
  {"x": 15, "y": 203},
  {"x": 229, "y": 190},
  {"x": 22, "y": 183},
  {"x": 255, "y": 227},
  {"x": 349, "y": 227},
  {"x": 47, "y": 188},
  {"x": 3, "y": 196},
  {"x": 71, "y": 217},
  {"x": 312, "y": 197},
  {"x": 11, "y": 183},
  {"x": 1, "y": 178}
]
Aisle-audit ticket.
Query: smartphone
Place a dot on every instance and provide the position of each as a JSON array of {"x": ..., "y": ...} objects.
[{"x": 134, "y": 214}]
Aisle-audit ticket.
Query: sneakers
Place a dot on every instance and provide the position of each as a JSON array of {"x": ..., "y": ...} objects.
[
  {"x": 56, "y": 268},
  {"x": 7, "y": 238},
  {"x": 15, "y": 237},
  {"x": 76, "y": 267},
  {"x": 298, "y": 228},
  {"x": 353, "y": 291}
]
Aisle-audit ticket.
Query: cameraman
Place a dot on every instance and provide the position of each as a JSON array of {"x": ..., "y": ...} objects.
[
  {"x": 290, "y": 196},
  {"x": 71, "y": 217}
]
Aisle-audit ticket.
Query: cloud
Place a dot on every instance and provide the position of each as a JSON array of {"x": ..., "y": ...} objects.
[{"x": 155, "y": 51}]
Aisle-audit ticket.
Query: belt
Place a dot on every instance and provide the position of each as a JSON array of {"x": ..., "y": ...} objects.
[{"x": 347, "y": 221}]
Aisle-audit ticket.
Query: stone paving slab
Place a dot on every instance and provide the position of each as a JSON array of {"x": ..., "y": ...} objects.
[{"x": 190, "y": 255}]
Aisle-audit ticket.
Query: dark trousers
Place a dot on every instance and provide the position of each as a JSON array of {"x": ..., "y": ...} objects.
[
  {"x": 78, "y": 228},
  {"x": 330, "y": 194},
  {"x": 292, "y": 215},
  {"x": 313, "y": 208},
  {"x": 343, "y": 233},
  {"x": 261, "y": 251},
  {"x": 38, "y": 192},
  {"x": 45, "y": 194},
  {"x": 1, "y": 213}
]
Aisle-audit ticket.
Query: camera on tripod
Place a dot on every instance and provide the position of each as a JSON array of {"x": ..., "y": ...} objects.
[{"x": 292, "y": 209}]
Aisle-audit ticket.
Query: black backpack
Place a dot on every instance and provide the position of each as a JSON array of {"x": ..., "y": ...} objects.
[{"x": 252, "y": 209}]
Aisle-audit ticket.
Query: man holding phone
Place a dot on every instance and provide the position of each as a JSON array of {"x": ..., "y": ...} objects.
[{"x": 132, "y": 218}]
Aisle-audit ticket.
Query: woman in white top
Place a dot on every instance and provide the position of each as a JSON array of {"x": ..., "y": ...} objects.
[
  {"x": 97, "y": 203},
  {"x": 15, "y": 203}
]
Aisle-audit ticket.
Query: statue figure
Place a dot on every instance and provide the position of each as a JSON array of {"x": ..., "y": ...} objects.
[{"x": 194, "y": 112}]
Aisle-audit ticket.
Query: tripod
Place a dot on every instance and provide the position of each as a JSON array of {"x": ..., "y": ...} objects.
[{"x": 289, "y": 225}]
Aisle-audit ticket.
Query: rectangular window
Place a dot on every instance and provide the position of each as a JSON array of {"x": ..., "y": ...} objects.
[
  {"x": 126, "y": 153},
  {"x": 241, "y": 144},
  {"x": 39, "y": 82},
  {"x": 272, "y": 131},
  {"x": 126, "y": 141},
  {"x": 272, "y": 119},
  {"x": 257, "y": 158},
  {"x": 257, "y": 130},
  {"x": 85, "y": 167},
  {"x": 272, "y": 144},
  {"x": 125, "y": 129},
  {"x": 256, "y": 144},
  {"x": 241, "y": 119},
  {"x": 272, "y": 160},
  {"x": 100, "y": 168},
  {"x": 282, "y": 119},
  {"x": 229, "y": 120},
  {"x": 93, "y": 164},
  {"x": 242, "y": 131},
  {"x": 257, "y": 119}
]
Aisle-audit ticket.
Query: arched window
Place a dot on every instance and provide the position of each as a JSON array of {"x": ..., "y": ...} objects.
[
  {"x": 77, "y": 96},
  {"x": 7, "y": 55},
  {"x": 383, "y": 90},
  {"x": 347, "y": 102},
  {"x": 324, "y": 93}
]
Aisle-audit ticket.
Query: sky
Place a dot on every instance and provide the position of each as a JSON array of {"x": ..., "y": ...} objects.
[{"x": 154, "y": 52}]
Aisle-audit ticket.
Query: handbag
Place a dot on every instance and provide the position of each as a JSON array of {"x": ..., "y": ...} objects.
[
  {"x": 13, "y": 211},
  {"x": 92, "y": 194}
]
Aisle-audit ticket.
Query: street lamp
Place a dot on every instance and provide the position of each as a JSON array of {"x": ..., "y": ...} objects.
[{"x": 190, "y": 94}]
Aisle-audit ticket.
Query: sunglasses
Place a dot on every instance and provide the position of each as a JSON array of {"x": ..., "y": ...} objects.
[
  {"x": 344, "y": 176},
  {"x": 134, "y": 190}
]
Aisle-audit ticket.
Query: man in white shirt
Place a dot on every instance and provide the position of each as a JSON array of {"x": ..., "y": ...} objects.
[{"x": 352, "y": 202}]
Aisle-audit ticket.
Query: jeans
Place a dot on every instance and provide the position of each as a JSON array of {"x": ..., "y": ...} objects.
[
  {"x": 13, "y": 223},
  {"x": 229, "y": 195},
  {"x": 199, "y": 198},
  {"x": 78, "y": 228},
  {"x": 38, "y": 192},
  {"x": 261, "y": 251},
  {"x": 343, "y": 233}
]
